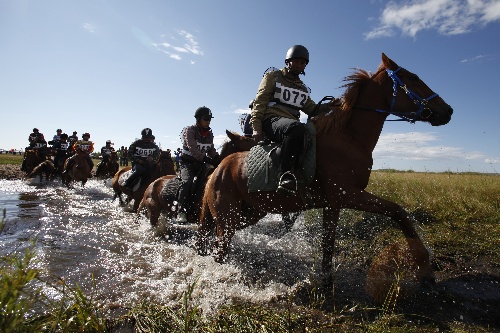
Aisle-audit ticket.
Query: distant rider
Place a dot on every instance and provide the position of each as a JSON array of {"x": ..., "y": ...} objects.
[
  {"x": 143, "y": 153},
  {"x": 60, "y": 150},
  {"x": 106, "y": 155},
  {"x": 86, "y": 146},
  {"x": 197, "y": 149},
  {"x": 36, "y": 142},
  {"x": 56, "y": 137}
]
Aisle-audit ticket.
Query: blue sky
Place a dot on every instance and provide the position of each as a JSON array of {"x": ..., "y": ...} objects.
[{"x": 113, "y": 67}]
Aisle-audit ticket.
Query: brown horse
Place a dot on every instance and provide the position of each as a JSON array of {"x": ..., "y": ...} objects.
[
  {"x": 345, "y": 142},
  {"x": 164, "y": 166},
  {"x": 46, "y": 168},
  {"x": 33, "y": 158},
  {"x": 79, "y": 172},
  {"x": 156, "y": 201},
  {"x": 110, "y": 168}
]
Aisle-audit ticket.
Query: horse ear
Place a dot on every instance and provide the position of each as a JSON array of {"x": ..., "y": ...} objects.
[
  {"x": 230, "y": 135},
  {"x": 388, "y": 63}
]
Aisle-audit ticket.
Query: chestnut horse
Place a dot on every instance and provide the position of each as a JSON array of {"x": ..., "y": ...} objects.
[
  {"x": 33, "y": 159},
  {"x": 46, "y": 168},
  {"x": 156, "y": 203},
  {"x": 110, "y": 168},
  {"x": 345, "y": 142},
  {"x": 164, "y": 166},
  {"x": 80, "y": 171}
]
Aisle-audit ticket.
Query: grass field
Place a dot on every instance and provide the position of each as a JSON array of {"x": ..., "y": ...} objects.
[{"x": 458, "y": 216}]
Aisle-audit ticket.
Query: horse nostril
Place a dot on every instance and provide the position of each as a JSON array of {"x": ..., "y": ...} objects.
[{"x": 450, "y": 111}]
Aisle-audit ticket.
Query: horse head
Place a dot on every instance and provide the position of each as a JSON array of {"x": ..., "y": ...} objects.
[
  {"x": 235, "y": 144},
  {"x": 165, "y": 165},
  {"x": 412, "y": 99}
]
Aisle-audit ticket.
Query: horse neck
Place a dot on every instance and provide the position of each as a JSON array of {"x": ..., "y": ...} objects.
[{"x": 365, "y": 126}]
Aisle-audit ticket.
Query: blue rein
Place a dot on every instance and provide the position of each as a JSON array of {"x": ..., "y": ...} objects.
[{"x": 421, "y": 102}]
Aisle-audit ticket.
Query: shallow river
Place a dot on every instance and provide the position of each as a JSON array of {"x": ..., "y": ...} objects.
[{"x": 81, "y": 231}]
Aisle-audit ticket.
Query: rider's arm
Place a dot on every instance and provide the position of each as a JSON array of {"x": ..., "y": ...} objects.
[{"x": 264, "y": 95}]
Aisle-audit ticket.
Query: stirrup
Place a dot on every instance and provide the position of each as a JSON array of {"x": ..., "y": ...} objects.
[
  {"x": 287, "y": 183},
  {"x": 181, "y": 218}
]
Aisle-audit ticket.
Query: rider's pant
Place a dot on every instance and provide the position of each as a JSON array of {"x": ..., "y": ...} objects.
[{"x": 188, "y": 170}]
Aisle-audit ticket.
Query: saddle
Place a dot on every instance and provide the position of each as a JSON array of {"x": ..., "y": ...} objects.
[{"x": 263, "y": 162}]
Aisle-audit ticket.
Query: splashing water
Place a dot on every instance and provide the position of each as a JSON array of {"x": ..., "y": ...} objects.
[{"x": 81, "y": 231}]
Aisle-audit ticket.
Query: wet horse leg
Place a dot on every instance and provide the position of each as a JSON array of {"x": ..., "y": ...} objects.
[
  {"x": 226, "y": 214},
  {"x": 330, "y": 220},
  {"x": 364, "y": 201}
]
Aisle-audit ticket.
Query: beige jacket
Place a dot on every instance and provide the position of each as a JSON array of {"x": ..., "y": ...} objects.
[{"x": 282, "y": 94}]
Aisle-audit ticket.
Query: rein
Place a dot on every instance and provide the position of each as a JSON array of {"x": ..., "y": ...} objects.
[{"x": 423, "y": 112}]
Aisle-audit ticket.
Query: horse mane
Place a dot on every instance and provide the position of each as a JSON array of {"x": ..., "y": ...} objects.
[{"x": 338, "y": 118}]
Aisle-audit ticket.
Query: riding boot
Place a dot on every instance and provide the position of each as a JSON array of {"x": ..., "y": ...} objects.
[
  {"x": 98, "y": 168},
  {"x": 291, "y": 148},
  {"x": 130, "y": 180},
  {"x": 184, "y": 192}
]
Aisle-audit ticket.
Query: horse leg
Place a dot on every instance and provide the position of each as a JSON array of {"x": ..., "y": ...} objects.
[
  {"x": 205, "y": 227},
  {"x": 330, "y": 219},
  {"x": 364, "y": 201},
  {"x": 225, "y": 213}
]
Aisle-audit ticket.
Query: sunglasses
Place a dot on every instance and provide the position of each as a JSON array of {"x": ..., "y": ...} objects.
[{"x": 207, "y": 119}]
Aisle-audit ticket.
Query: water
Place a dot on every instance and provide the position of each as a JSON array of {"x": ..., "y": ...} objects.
[{"x": 82, "y": 233}]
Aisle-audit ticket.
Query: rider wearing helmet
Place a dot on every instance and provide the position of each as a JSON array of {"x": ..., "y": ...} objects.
[
  {"x": 143, "y": 153},
  {"x": 197, "y": 149},
  {"x": 106, "y": 154},
  {"x": 56, "y": 137},
  {"x": 276, "y": 112},
  {"x": 245, "y": 125},
  {"x": 60, "y": 150},
  {"x": 86, "y": 146},
  {"x": 38, "y": 143}
]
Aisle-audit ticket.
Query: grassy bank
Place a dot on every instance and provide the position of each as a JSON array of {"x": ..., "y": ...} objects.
[
  {"x": 11, "y": 159},
  {"x": 458, "y": 215}
]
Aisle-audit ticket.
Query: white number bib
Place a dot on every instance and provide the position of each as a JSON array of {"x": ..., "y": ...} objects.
[
  {"x": 144, "y": 152},
  {"x": 290, "y": 96}
]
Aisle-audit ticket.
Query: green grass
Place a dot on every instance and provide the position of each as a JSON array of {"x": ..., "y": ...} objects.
[
  {"x": 11, "y": 159},
  {"x": 458, "y": 214}
]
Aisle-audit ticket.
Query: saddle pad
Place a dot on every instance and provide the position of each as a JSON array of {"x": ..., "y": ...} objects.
[
  {"x": 262, "y": 170},
  {"x": 170, "y": 189},
  {"x": 125, "y": 176}
]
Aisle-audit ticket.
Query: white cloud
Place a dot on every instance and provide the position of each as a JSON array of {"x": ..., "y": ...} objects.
[
  {"x": 492, "y": 160},
  {"x": 89, "y": 27},
  {"x": 418, "y": 146},
  {"x": 448, "y": 17},
  {"x": 187, "y": 44}
]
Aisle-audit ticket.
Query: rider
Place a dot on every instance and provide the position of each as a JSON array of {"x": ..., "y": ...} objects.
[
  {"x": 38, "y": 143},
  {"x": 106, "y": 154},
  {"x": 56, "y": 137},
  {"x": 197, "y": 149},
  {"x": 276, "y": 112},
  {"x": 60, "y": 150},
  {"x": 143, "y": 153},
  {"x": 246, "y": 126},
  {"x": 84, "y": 145}
]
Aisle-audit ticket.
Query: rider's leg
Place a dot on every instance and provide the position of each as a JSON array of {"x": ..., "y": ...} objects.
[
  {"x": 291, "y": 148},
  {"x": 137, "y": 170},
  {"x": 187, "y": 173}
]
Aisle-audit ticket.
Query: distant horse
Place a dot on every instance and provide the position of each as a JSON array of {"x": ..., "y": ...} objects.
[
  {"x": 45, "y": 168},
  {"x": 33, "y": 158},
  {"x": 345, "y": 142},
  {"x": 110, "y": 168},
  {"x": 164, "y": 166},
  {"x": 162, "y": 193},
  {"x": 79, "y": 172}
]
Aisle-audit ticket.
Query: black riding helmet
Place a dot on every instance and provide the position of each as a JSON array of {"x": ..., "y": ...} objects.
[
  {"x": 297, "y": 51},
  {"x": 147, "y": 133},
  {"x": 203, "y": 112},
  {"x": 64, "y": 136}
]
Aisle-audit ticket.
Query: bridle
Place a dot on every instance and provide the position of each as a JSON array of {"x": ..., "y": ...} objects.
[{"x": 423, "y": 111}]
